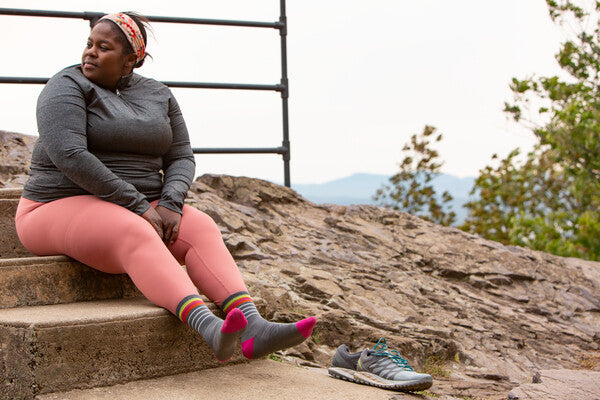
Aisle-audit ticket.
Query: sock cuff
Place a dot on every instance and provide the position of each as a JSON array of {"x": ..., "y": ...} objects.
[
  {"x": 235, "y": 300},
  {"x": 187, "y": 304}
]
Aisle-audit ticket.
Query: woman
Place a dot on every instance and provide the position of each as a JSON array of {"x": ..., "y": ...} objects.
[{"x": 109, "y": 174}]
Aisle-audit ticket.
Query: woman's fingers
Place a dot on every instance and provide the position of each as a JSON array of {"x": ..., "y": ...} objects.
[
  {"x": 155, "y": 220},
  {"x": 171, "y": 221},
  {"x": 159, "y": 229},
  {"x": 168, "y": 232},
  {"x": 174, "y": 233}
]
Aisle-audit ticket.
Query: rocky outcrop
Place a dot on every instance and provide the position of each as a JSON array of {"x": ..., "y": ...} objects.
[
  {"x": 480, "y": 316},
  {"x": 15, "y": 152}
]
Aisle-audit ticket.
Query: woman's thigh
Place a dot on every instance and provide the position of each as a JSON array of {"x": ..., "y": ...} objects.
[{"x": 96, "y": 232}]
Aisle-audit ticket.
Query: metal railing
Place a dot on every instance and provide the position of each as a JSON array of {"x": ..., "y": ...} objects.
[{"x": 281, "y": 87}]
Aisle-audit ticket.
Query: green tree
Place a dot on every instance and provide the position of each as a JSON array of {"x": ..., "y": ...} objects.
[
  {"x": 550, "y": 200},
  {"x": 411, "y": 189}
]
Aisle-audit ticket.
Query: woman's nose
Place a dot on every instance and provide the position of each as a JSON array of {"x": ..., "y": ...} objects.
[{"x": 91, "y": 51}]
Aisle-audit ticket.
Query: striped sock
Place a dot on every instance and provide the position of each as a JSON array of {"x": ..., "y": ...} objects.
[
  {"x": 220, "y": 335},
  {"x": 262, "y": 337}
]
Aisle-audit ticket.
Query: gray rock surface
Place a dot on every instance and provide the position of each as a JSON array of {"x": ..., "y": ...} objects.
[
  {"x": 482, "y": 317},
  {"x": 560, "y": 384},
  {"x": 15, "y": 152}
]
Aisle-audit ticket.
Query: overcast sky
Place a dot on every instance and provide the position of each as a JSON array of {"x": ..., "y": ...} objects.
[{"x": 364, "y": 76}]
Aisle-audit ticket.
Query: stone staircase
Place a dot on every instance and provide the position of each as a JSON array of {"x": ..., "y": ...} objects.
[{"x": 66, "y": 326}]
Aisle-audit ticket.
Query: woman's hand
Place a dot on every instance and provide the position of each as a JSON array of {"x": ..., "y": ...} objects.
[
  {"x": 155, "y": 220},
  {"x": 170, "y": 223}
]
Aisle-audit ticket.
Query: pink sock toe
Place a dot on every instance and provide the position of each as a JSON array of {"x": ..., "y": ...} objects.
[
  {"x": 234, "y": 321},
  {"x": 305, "y": 327},
  {"x": 248, "y": 348}
]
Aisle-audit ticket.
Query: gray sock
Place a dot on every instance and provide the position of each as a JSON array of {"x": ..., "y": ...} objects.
[
  {"x": 262, "y": 337},
  {"x": 220, "y": 335}
]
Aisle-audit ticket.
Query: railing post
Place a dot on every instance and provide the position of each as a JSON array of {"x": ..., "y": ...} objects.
[{"x": 284, "y": 95}]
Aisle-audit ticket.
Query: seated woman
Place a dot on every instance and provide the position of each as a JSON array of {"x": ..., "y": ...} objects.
[{"x": 109, "y": 174}]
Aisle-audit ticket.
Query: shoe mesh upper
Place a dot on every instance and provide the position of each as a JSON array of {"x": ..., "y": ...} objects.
[
  {"x": 388, "y": 364},
  {"x": 384, "y": 367}
]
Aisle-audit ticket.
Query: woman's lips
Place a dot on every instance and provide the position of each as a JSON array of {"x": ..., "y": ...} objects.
[{"x": 87, "y": 65}]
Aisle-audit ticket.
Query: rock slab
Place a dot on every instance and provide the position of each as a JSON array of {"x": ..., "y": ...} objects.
[{"x": 560, "y": 384}]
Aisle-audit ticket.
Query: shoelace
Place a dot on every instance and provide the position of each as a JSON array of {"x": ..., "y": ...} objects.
[{"x": 381, "y": 349}]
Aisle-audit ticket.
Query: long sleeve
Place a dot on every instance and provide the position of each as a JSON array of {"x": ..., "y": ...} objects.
[
  {"x": 178, "y": 163},
  {"x": 62, "y": 117}
]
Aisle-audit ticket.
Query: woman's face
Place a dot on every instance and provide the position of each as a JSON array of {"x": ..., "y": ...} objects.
[{"x": 103, "y": 61}]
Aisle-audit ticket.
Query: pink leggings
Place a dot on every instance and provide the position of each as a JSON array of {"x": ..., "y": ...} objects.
[{"x": 112, "y": 239}]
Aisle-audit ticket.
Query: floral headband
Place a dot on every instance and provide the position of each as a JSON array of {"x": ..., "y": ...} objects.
[{"x": 132, "y": 32}]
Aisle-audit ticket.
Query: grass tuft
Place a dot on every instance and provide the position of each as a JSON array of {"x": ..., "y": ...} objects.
[
  {"x": 434, "y": 366},
  {"x": 317, "y": 337},
  {"x": 589, "y": 361}
]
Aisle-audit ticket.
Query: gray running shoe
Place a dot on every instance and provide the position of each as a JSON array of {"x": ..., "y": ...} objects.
[{"x": 378, "y": 367}]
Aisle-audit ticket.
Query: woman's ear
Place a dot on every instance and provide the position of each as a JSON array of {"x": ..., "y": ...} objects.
[{"x": 130, "y": 60}]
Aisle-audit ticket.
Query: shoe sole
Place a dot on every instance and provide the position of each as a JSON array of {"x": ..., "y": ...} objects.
[{"x": 367, "y": 378}]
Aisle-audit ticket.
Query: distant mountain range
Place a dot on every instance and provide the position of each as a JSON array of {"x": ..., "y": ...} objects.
[{"x": 360, "y": 188}]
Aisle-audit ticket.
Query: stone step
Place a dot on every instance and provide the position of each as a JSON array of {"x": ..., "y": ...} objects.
[
  {"x": 11, "y": 193},
  {"x": 10, "y": 246},
  {"x": 259, "y": 380},
  {"x": 61, "y": 347},
  {"x": 32, "y": 281}
]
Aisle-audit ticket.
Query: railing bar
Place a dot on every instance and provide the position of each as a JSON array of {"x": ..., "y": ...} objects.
[
  {"x": 224, "y": 22},
  {"x": 23, "y": 80},
  {"x": 240, "y": 150},
  {"x": 88, "y": 15},
  {"x": 41, "y": 13},
  {"x": 195, "y": 85},
  {"x": 207, "y": 85}
]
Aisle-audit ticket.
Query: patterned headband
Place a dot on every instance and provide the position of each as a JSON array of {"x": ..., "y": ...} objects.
[{"x": 132, "y": 32}]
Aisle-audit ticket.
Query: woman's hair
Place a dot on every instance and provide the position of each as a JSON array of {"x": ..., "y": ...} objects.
[{"x": 143, "y": 23}]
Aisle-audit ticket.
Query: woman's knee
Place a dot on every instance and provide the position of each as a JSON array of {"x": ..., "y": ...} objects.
[{"x": 196, "y": 221}]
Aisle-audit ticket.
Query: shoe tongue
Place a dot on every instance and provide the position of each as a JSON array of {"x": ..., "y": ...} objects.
[
  {"x": 364, "y": 357},
  {"x": 366, "y": 353}
]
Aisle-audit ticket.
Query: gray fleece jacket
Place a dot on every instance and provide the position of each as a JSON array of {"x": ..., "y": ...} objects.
[{"x": 128, "y": 146}]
